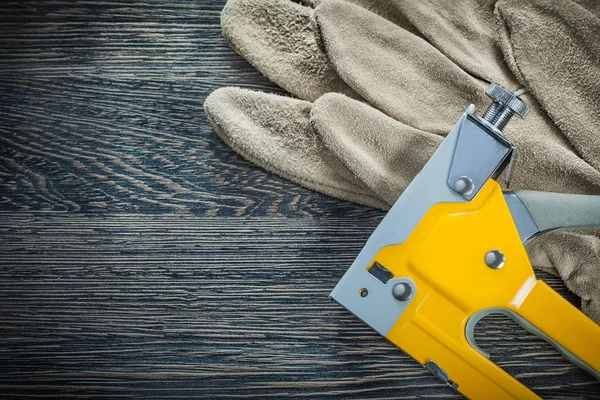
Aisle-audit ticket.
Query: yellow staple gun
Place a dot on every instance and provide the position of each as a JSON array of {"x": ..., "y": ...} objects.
[{"x": 451, "y": 251}]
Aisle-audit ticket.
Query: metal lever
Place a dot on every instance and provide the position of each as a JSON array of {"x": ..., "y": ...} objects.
[{"x": 535, "y": 213}]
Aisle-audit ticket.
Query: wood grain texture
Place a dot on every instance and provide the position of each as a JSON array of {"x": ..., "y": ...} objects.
[
  {"x": 182, "y": 306},
  {"x": 140, "y": 257},
  {"x": 101, "y": 110}
]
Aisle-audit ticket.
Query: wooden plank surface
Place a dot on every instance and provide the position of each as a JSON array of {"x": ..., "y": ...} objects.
[
  {"x": 140, "y": 257},
  {"x": 183, "y": 306},
  {"x": 101, "y": 111}
]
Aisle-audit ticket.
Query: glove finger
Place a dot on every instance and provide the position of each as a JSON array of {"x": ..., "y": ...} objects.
[
  {"x": 275, "y": 133},
  {"x": 464, "y": 31},
  {"x": 592, "y": 6},
  {"x": 386, "y": 9},
  {"x": 545, "y": 160},
  {"x": 279, "y": 38},
  {"x": 554, "y": 48},
  {"x": 575, "y": 257},
  {"x": 384, "y": 153},
  {"x": 396, "y": 71}
]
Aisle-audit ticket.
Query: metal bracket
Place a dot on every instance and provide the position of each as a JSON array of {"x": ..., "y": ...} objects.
[
  {"x": 372, "y": 300},
  {"x": 481, "y": 153}
]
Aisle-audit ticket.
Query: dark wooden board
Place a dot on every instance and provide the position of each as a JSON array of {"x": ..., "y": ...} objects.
[
  {"x": 101, "y": 111},
  {"x": 140, "y": 257},
  {"x": 176, "y": 306}
]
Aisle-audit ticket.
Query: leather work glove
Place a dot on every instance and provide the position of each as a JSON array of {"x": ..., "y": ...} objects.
[{"x": 379, "y": 83}]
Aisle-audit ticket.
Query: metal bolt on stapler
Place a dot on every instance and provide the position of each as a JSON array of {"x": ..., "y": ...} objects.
[{"x": 451, "y": 251}]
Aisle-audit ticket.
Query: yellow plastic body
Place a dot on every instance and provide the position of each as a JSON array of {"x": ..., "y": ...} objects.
[{"x": 445, "y": 256}]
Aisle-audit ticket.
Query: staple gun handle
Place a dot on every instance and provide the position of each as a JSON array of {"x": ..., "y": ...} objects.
[
  {"x": 584, "y": 345},
  {"x": 531, "y": 312},
  {"x": 468, "y": 368},
  {"x": 457, "y": 286}
]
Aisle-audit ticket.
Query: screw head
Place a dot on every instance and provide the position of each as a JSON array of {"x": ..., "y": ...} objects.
[
  {"x": 495, "y": 259},
  {"x": 507, "y": 99},
  {"x": 402, "y": 291},
  {"x": 464, "y": 186}
]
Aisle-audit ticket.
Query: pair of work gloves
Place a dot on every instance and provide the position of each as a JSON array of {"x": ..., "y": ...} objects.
[{"x": 377, "y": 84}]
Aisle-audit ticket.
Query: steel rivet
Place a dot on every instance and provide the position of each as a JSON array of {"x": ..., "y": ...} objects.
[
  {"x": 402, "y": 291},
  {"x": 464, "y": 186},
  {"x": 494, "y": 259}
]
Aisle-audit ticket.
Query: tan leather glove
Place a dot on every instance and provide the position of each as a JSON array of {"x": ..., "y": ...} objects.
[{"x": 412, "y": 66}]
